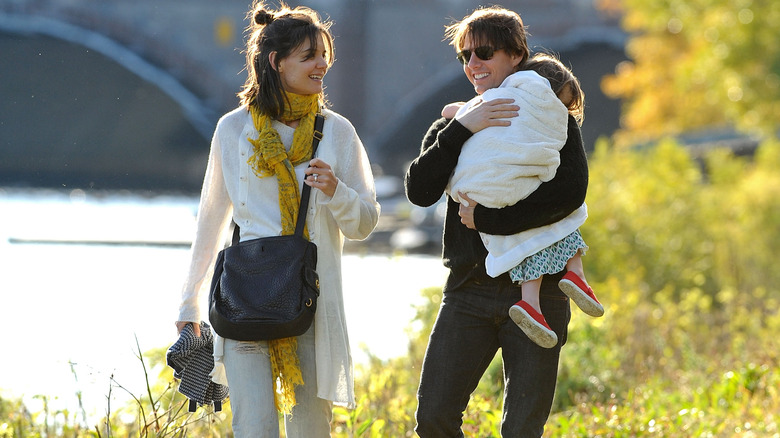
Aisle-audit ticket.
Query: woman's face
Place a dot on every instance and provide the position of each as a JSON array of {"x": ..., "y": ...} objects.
[
  {"x": 485, "y": 74},
  {"x": 303, "y": 70}
]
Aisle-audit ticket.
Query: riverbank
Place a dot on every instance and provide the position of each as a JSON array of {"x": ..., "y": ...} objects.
[{"x": 83, "y": 285}]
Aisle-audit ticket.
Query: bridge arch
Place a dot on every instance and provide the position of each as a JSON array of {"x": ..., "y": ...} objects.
[
  {"x": 112, "y": 119},
  {"x": 591, "y": 57}
]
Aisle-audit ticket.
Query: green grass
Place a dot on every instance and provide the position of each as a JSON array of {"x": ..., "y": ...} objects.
[{"x": 686, "y": 265}]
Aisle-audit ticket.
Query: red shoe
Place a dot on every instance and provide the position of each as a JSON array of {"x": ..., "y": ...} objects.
[
  {"x": 533, "y": 324},
  {"x": 582, "y": 295}
]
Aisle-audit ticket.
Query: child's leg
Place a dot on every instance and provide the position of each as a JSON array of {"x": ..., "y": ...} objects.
[
  {"x": 530, "y": 291},
  {"x": 575, "y": 265}
]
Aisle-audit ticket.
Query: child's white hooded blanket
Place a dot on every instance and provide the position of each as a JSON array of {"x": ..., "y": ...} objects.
[{"x": 500, "y": 165}]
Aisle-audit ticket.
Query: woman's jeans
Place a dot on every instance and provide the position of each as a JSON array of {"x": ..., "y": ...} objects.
[
  {"x": 248, "y": 369},
  {"x": 473, "y": 323}
]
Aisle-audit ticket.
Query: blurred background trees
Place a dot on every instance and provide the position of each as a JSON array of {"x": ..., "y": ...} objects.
[
  {"x": 683, "y": 251},
  {"x": 697, "y": 64}
]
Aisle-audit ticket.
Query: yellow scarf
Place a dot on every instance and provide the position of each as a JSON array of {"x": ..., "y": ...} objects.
[{"x": 271, "y": 158}]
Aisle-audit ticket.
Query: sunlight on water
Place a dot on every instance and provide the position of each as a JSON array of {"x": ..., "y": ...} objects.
[{"x": 80, "y": 287}]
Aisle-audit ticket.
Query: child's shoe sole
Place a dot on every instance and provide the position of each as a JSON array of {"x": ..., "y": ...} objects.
[
  {"x": 541, "y": 335},
  {"x": 587, "y": 302}
]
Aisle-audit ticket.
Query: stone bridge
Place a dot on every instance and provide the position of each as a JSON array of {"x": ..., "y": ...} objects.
[{"x": 125, "y": 93}]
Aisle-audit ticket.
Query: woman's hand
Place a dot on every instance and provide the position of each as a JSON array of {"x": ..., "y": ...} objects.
[
  {"x": 466, "y": 211},
  {"x": 489, "y": 113},
  {"x": 181, "y": 324},
  {"x": 320, "y": 176}
]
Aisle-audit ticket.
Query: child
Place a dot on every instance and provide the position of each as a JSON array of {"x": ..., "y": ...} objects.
[{"x": 506, "y": 165}]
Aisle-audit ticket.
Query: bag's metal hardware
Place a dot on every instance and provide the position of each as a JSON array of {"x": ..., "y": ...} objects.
[
  {"x": 308, "y": 302},
  {"x": 317, "y": 283}
]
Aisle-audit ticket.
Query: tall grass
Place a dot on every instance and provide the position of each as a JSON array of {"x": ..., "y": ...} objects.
[{"x": 683, "y": 255}]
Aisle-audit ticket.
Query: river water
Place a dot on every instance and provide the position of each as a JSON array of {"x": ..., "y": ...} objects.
[{"x": 87, "y": 279}]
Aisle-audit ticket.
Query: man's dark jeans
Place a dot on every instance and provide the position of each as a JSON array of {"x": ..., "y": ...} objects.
[{"x": 473, "y": 323}]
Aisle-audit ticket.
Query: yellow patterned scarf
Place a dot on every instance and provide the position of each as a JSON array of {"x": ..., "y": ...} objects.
[{"x": 271, "y": 158}]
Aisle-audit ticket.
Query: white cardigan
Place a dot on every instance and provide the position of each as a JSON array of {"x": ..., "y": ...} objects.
[
  {"x": 500, "y": 165},
  {"x": 231, "y": 190}
]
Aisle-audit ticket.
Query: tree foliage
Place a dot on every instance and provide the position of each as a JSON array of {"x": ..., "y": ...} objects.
[
  {"x": 697, "y": 64},
  {"x": 682, "y": 255}
]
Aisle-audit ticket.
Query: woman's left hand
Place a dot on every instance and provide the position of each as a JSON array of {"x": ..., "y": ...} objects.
[
  {"x": 320, "y": 176},
  {"x": 466, "y": 211}
]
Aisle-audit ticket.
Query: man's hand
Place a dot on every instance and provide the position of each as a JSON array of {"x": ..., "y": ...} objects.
[
  {"x": 496, "y": 112},
  {"x": 466, "y": 211}
]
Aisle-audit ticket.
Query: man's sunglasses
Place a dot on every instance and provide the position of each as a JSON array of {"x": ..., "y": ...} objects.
[{"x": 484, "y": 53}]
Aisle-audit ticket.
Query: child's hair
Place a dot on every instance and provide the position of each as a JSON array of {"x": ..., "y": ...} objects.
[
  {"x": 280, "y": 31},
  {"x": 563, "y": 82}
]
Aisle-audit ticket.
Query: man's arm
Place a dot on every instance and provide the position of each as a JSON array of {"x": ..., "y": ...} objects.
[{"x": 429, "y": 173}]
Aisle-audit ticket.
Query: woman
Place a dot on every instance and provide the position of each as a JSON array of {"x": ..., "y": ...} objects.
[
  {"x": 258, "y": 151},
  {"x": 473, "y": 322}
]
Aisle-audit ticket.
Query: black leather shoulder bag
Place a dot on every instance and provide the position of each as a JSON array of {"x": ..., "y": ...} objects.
[{"x": 267, "y": 288}]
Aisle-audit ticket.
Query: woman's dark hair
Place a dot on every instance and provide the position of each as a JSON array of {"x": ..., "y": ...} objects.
[
  {"x": 282, "y": 32},
  {"x": 492, "y": 26}
]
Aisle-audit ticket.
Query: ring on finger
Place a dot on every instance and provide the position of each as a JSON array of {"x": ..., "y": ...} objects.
[{"x": 316, "y": 177}]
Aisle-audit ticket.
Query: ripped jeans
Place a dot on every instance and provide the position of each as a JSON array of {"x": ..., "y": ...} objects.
[{"x": 248, "y": 369}]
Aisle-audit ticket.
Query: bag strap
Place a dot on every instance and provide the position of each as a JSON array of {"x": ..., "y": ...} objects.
[
  {"x": 303, "y": 210},
  {"x": 319, "y": 121}
]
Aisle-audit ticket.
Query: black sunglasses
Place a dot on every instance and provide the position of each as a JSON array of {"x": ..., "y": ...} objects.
[{"x": 483, "y": 52}]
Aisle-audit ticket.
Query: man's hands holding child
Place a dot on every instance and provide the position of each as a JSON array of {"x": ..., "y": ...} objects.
[
  {"x": 466, "y": 210},
  {"x": 496, "y": 112}
]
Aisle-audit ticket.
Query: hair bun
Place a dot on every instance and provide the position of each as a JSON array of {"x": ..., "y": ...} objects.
[{"x": 263, "y": 18}]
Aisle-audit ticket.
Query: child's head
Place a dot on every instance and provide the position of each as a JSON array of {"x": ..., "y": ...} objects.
[{"x": 563, "y": 82}]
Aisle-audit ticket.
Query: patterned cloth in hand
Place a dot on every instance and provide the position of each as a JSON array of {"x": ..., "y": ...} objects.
[{"x": 192, "y": 360}]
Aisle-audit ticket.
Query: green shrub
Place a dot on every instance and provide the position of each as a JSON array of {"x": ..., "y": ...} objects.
[{"x": 683, "y": 257}]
